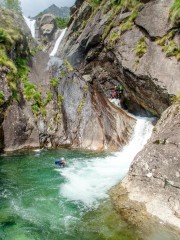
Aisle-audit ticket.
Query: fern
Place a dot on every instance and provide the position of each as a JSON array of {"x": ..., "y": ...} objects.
[{"x": 175, "y": 12}]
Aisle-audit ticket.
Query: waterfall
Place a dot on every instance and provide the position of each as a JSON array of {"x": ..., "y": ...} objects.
[
  {"x": 54, "y": 51},
  {"x": 88, "y": 182},
  {"x": 31, "y": 25}
]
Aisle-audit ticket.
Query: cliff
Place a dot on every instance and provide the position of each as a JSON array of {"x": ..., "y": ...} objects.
[
  {"x": 45, "y": 103},
  {"x": 135, "y": 44},
  {"x": 127, "y": 43}
]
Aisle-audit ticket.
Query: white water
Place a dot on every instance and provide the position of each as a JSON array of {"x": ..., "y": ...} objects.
[
  {"x": 31, "y": 25},
  {"x": 54, "y": 51},
  {"x": 89, "y": 181}
]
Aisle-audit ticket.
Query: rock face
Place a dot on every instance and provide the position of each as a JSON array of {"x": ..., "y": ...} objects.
[
  {"x": 14, "y": 45},
  {"x": 149, "y": 17},
  {"x": 154, "y": 178},
  {"x": 91, "y": 122},
  {"x": 55, "y": 106},
  {"x": 77, "y": 116},
  {"x": 114, "y": 49},
  {"x": 113, "y": 45},
  {"x": 19, "y": 128}
]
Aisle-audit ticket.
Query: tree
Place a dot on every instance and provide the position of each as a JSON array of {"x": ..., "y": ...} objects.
[{"x": 11, "y": 4}]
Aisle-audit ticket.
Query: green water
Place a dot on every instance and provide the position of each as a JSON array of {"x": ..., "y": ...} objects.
[{"x": 32, "y": 206}]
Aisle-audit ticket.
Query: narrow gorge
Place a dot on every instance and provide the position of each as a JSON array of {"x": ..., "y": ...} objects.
[{"x": 56, "y": 99}]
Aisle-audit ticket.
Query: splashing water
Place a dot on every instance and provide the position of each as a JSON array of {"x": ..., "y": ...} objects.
[
  {"x": 58, "y": 41},
  {"x": 31, "y": 24},
  {"x": 89, "y": 182}
]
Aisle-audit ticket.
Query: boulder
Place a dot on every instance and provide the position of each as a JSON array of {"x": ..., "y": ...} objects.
[
  {"x": 47, "y": 19},
  {"x": 46, "y": 29},
  {"x": 154, "y": 18}
]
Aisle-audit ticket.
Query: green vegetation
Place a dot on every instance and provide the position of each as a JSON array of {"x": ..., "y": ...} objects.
[
  {"x": 68, "y": 65},
  {"x": 140, "y": 49},
  {"x": 114, "y": 36},
  {"x": 125, "y": 4},
  {"x": 128, "y": 23},
  {"x": 174, "y": 13},
  {"x": 116, "y": 8},
  {"x": 17, "y": 67},
  {"x": 169, "y": 47},
  {"x": 1, "y": 97},
  {"x": 86, "y": 88},
  {"x": 7, "y": 62},
  {"x": 176, "y": 99},
  {"x": 30, "y": 90},
  {"x": 54, "y": 82},
  {"x": 33, "y": 51},
  {"x": 33, "y": 95},
  {"x": 60, "y": 99},
  {"x": 94, "y": 3},
  {"x": 9, "y": 38},
  {"x": 5, "y": 37},
  {"x": 14, "y": 5},
  {"x": 81, "y": 104},
  {"x": 62, "y": 22}
]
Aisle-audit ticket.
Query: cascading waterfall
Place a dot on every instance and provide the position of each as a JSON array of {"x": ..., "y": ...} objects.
[
  {"x": 90, "y": 181},
  {"x": 58, "y": 41},
  {"x": 31, "y": 24}
]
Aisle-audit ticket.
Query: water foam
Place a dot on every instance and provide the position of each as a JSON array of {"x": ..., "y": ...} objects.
[
  {"x": 31, "y": 24},
  {"x": 58, "y": 41},
  {"x": 89, "y": 181}
]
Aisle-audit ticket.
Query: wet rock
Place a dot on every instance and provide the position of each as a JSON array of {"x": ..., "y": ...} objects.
[
  {"x": 90, "y": 121},
  {"x": 153, "y": 178}
]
